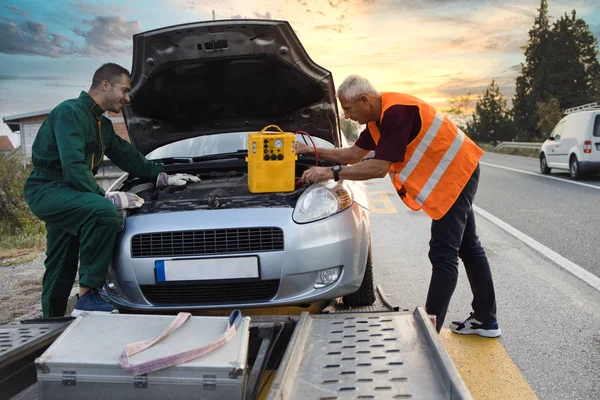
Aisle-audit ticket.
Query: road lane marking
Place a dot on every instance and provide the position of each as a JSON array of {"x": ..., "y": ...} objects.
[
  {"x": 540, "y": 175},
  {"x": 380, "y": 203},
  {"x": 570, "y": 266},
  {"x": 486, "y": 368}
]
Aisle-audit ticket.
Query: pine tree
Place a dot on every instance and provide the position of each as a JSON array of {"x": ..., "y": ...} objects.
[
  {"x": 531, "y": 83},
  {"x": 491, "y": 122},
  {"x": 561, "y": 63},
  {"x": 573, "y": 70}
]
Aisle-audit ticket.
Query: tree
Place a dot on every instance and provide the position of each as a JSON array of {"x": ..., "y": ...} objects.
[
  {"x": 491, "y": 122},
  {"x": 574, "y": 68},
  {"x": 561, "y": 63},
  {"x": 550, "y": 114},
  {"x": 459, "y": 109},
  {"x": 533, "y": 79}
]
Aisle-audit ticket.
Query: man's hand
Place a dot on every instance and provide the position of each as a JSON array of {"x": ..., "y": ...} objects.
[
  {"x": 301, "y": 148},
  {"x": 317, "y": 174},
  {"x": 165, "y": 180},
  {"x": 125, "y": 200}
]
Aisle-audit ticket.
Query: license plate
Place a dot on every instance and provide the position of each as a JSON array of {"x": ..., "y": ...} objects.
[
  {"x": 206, "y": 269},
  {"x": 597, "y": 146}
]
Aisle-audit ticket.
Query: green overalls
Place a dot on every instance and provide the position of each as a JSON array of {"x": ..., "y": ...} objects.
[{"x": 63, "y": 193}]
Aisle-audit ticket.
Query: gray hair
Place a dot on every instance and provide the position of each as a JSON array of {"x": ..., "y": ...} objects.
[{"x": 355, "y": 86}]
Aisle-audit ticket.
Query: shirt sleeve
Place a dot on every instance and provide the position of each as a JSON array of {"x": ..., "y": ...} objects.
[
  {"x": 128, "y": 158},
  {"x": 395, "y": 129},
  {"x": 70, "y": 141},
  {"x": 365, "y": 140}
]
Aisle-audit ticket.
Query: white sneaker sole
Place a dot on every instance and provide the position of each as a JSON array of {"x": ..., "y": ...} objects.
[
  {"x": 76, "y": 313},
  {"x": 488, "y": 333}
]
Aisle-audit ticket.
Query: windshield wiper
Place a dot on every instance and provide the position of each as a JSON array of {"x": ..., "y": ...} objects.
[
  {"x": 240, "y": 154},
  {"x": 173, "y": 160}
]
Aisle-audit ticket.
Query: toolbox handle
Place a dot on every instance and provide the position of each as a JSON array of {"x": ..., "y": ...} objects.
[
  {"x": 271, "y": 126},
  {"x": 168, "y": 361}
]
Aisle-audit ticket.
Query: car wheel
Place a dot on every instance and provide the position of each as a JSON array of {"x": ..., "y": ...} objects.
[
  {"x": 574, "y": 168},
  {"x": 365, "y": 295},
  {"x": 544, "y": 164}
]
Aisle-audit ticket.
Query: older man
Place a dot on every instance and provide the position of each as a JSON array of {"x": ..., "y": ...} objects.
[{"x": 434, "y": 167}]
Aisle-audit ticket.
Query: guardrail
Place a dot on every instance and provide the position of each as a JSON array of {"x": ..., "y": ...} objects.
[{"x": 518, "y": 145}]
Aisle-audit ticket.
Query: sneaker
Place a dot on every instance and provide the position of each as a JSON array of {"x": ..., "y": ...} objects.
[
  {"x": 91, "y": 301},
  {"x": 471, "y": 326}
]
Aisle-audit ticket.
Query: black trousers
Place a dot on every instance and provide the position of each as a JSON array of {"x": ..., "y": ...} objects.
[{"x": 453, "y": 236}]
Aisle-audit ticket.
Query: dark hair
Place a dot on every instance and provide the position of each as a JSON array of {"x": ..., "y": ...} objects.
[{"x": 108, "y": 72}]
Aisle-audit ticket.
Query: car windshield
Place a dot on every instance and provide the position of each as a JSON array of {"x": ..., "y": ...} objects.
[{"x": 216, "y": 144}]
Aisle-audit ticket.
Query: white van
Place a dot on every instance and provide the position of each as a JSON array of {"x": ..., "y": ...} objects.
[{"x": 574, "y": 144}]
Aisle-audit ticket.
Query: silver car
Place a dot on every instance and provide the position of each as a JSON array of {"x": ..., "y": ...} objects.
[{"x": 198, "y": 90}]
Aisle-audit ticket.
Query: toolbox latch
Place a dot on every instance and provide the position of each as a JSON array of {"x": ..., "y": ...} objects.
[
  {"x": 69, "y": 378},
  {"x": 140, "y": 381},
  {"x": 209, "y": 382}
]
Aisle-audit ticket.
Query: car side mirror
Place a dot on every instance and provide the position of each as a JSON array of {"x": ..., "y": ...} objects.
[{"x": 551, "y": 138}]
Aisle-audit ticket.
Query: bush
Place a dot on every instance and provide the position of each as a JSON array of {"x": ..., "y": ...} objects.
[{"x": 15, "y": 217}]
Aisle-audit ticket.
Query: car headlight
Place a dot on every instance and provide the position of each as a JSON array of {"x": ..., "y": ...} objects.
[{"x": 322, "y": 200}]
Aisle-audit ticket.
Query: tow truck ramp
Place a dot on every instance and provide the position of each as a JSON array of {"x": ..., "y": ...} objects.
[
  {"x": 388, "y": 355},
  {"x": 375, "y": 352}
]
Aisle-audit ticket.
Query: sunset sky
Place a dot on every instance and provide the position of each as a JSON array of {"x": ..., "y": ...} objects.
[{"x": 433, "y": 49}]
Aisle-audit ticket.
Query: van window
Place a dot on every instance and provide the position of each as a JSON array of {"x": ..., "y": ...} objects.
[
  {"x": 557, "y": 132},
  {"x": 597, "y": 126}
]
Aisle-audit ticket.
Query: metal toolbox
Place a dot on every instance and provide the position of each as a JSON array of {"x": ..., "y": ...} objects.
[{"x": 83, "y": 361}]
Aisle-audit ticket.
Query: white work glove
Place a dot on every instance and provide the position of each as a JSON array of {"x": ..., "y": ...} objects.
[
  {"x": 125, "y": 200},
  {"x": 165, "y": 180}
]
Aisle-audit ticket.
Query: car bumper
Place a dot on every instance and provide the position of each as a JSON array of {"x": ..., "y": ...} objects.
[
  {"x": 589, "y": 167},
  {"x": 340, "y": 240}
]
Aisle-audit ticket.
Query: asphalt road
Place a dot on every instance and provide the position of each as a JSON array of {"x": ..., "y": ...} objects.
[
  {"x": 550, "y": 319},
  {"x": 562, "y": 214}
]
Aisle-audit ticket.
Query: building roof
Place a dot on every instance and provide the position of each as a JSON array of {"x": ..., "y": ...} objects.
[
  {"x": 13, "y": 121},
  {"x": 6, "y": 144}
]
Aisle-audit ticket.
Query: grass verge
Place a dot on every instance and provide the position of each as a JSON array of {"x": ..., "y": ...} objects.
[{"x": 20, "y": 249}]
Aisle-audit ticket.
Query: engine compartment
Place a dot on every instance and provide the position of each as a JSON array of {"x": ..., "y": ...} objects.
[{"x": 220, "y": 187}]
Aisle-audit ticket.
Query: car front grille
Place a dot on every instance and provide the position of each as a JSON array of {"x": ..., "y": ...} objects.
[
  {"x": 200, "y": 242},
  {"x": 210, "y": 293}
]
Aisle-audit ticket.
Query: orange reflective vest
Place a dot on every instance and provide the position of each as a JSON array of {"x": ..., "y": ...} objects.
[{"x": 438, "y": 162}]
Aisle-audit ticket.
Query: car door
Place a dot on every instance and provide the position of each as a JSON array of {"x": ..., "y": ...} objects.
[{"x": 553, "y": 157}]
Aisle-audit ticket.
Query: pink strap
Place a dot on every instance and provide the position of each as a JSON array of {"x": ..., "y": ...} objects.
[{"x": 169, "y": 361}]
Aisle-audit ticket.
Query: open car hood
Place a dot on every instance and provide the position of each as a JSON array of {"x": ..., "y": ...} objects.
[{"x": 226, "y": 76}]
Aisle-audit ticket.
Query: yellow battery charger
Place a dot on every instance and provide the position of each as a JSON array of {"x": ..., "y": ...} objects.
[{"x": 271, "y": 161}]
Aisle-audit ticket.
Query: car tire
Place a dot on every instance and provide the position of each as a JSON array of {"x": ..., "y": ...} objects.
[
  {"x": 574, "y": 168},
  {"x": 544, "y": 165},
  {"x": 365, "y": 295}
]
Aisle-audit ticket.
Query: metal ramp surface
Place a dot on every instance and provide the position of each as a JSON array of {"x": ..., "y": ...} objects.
[
  {"x": 380, "y": 305},
  {"x": 388, "y": 355}
]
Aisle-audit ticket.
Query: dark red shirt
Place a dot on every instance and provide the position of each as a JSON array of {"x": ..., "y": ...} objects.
[{"x": 399, "y": 126}]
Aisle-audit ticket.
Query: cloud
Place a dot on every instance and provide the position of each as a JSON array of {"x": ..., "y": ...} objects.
[
  {"x": 262, "y": 16},
  {"x": 515, "y": 68},
  {"x": 97, "y": 10},
  {"x": 63, "y": 85},
  {"x": 331, "y": 27},
  {"x": 4, "y": 77},
  {"x": 108, "y": 35},
  {"x": 32, "y": 38},
  {"x": 18, "y": 11}
]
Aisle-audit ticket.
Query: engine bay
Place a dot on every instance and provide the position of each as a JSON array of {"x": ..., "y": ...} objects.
[{"x": 219, "y": 188}]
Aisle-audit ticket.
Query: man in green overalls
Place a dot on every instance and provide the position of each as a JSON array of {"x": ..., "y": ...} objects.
[{"x": 81, "y": 219}]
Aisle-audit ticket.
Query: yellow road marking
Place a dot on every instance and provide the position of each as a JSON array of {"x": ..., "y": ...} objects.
[
  {"x": 380, "y": 203},
  {"x": 486, "y": 368}
]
